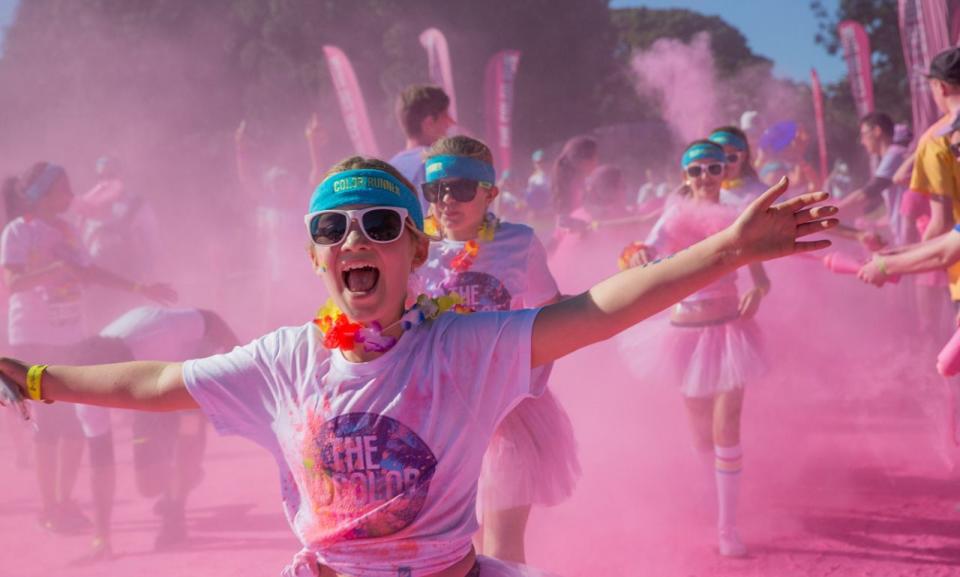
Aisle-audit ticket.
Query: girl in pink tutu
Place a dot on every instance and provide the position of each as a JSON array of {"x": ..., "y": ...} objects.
[
  {"x": 741, "y": 184},
  {"x": 711, "y": 346},
  {"x": 378, "y": 416},
  {"x": 499, "y": 266}
]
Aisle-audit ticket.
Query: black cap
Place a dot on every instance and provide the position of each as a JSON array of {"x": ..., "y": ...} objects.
[{"x": 946, "y": 66}]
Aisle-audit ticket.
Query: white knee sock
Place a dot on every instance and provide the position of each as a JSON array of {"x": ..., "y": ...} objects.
[{"x": 729, "y": 462}]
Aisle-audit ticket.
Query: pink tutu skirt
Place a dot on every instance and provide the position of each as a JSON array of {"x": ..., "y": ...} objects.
[
  {"x": 531, "y": 459},
  {"x": 704, "y": 361}
]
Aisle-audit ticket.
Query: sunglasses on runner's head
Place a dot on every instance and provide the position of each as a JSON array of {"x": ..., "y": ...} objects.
[
  {"x": 733, "y": 157},
  {"x": 697, "y": 169},
  {"x": 461, "y": 189},
  {"x": 380, "y": 224}
]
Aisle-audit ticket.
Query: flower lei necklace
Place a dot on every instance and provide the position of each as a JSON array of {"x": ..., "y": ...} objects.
[
  {"x": 468, "y": 254},
  {"x": 339, "y": 332}
]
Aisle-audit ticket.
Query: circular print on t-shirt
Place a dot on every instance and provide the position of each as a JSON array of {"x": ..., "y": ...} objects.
[
  {"x": 479, "y": 291},
  {"x": 367, "y": 475}
]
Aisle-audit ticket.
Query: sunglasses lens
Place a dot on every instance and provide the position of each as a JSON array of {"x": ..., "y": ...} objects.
[
  {"x": 694, "y": 171},
  {"x": 715, "y": 169},
  {"x": 461, "y": 189},
  {"x": 328, "y": 228},
  {"x": 431, "y": 191},
  {"x": 383, "y": 225}
]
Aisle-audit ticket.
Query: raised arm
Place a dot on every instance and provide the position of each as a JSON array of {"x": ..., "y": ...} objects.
[
  {"x": 141, "y": 385},
  {"x": 764, "y": 231}
]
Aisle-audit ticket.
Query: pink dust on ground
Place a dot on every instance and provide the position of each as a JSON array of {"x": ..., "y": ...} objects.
[{"x": 845, "y": 472}]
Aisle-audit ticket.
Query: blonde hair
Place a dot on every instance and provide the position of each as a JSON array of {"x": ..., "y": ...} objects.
[{"x": 460, "y": 145}]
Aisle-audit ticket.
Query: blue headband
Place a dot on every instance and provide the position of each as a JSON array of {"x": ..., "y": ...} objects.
[
  {"x": 366, "y": 186},
  {"x": 440, "y": 167},
  {"x": 41, "y": 185},
  {"x": 724, "y": 138},
  {"x": 703, "y": 151}
]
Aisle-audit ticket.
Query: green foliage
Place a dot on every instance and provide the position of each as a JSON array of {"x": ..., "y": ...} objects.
[
  {"x": 204, "y": 66},
  {"x": 639, "y": 28},
  {"x": 879, "y": 19}
]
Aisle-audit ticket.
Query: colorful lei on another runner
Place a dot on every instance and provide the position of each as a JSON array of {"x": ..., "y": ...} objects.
[
  {"x": 623, "y": 261},
  {"x": 468, "y": 254},
  {"x": 339, "y": 332},
  {"x": 733, "y": 184}
]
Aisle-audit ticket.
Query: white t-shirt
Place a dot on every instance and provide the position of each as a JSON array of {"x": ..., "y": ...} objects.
[
  {"x": 159, "y": 334},
  {"x": 410, "y": 164},
  {"x": 378, "y": 461},
  {"x": 51, "y": 313},
  {"x": 509, "y": 272},
  {"x": 893, "y": 195}
]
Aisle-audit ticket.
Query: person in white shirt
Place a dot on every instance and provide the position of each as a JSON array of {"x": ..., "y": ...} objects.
[
  {"x": 379, "y": 416},
  {"x": 47, "y": 270},
  {"x": 168, "y": 447},
  {"x": 499, "y": 266}
]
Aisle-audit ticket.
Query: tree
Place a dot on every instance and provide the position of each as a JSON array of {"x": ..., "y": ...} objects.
[{"x": 879, "y": 19}]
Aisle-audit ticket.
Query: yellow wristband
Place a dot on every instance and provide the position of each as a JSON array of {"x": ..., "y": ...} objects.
[
  {"x": 881, "y": 264},
  {"x": 35, "y": 382}
]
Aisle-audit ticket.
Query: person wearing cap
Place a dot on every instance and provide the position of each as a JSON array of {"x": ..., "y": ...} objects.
[
  {"x": 935, "y": 171},
  {"x": 377, "y": 415}
]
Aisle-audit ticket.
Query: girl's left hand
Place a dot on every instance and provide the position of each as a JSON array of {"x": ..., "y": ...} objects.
[{"x": 750, "y": 303}]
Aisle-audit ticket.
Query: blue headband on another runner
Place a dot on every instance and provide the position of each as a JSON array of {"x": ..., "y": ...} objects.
[
  {"x": 448, "y": 166},
  {"x": 703, "y": 151},
  {"x": 724, "y": 138},
  {"x": 41, "y": 185},
  {"x": 366, "y": 186}
]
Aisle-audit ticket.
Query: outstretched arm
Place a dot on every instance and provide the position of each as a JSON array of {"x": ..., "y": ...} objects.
[
  {"x": 935, "y": 254},
  {"x": 142, "y": 385},
  {"x": 763, "y": 232}
]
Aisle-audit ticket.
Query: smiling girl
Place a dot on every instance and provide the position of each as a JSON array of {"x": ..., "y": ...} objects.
[
  {"x": 379, "y": 417},
  {"x": 711, "y": 347}
]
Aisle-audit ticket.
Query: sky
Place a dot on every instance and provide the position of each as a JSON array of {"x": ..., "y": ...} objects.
[
  {"x": 781, "y": 30},
  {"x": 791, "y": 48},
  {"x": 7, "y": 9}
]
